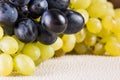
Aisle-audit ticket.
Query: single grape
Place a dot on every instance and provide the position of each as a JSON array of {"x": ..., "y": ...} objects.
[
  {"x": 90, "y": 39},
  {"x": 6, "y": 64},
  {"x": 32, "y": 51},
  {"x": 9, "y": 45},
  {"x": 46, "y": 51},
  {"x": 45, "y": 36},
  {"x": 24, "y": 64},
  {"x": 59, "y": 53},
  {"x": 75, "y": 22},
  {"x": 94, "y": 25},
  {"x": 80, "y": 36},
  {"x": 80, "y": 48},
  {"x": 26, "y": 30},
  {"x": 58, "y": 44},
  {"x": 68, "y": 42},
  {"x": 37, "y": 8},
  {"x": 54, "y": 21}
]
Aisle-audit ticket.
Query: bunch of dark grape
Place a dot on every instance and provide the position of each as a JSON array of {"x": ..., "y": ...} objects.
[{"x": 32, "y": 30}]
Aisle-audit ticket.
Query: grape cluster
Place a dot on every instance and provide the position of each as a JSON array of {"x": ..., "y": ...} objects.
[{"x": 32, "y": 30}]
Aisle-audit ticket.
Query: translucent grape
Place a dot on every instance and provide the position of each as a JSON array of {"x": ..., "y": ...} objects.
[
  {"x": 46, "y": 51},
  {"x": 58, "y": 44},
  {"x": 80, "y": 4},
  {"x": 80, "y": 36},
  {"x": 9, "y": 45},
  {"x": 94, "y": 25},
  {"x": 68, "y": 42},
  {"x": 117, "y": 13},
  {"x": 6, "y": 64},
  {"x": 108, "y": 23},
  {"x": 32, "y": 51},
  {"x": 80, "y": 48},
  {"x": 84, "y": 13},
  {"x": 90, "y": 39},
  {"x": 24, "y": 64}
]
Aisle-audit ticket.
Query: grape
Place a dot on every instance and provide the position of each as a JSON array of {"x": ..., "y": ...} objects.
[
  {"x": 58, "y": 44},
  {"x": 94, "y": 25},
  {"x": 1, "y": 32},
  {"x": 6, "y": 64},
  {"x": 46, "y": 51},
  {"x": 59, "y": 53},
  {"x": 84, "y": 13},
  {"x": 98, "y": 1},
  {"x": 110, "y": 20},
  {"x": 24, "y": 64},
  {"x": 80, "y": 4},
  {"x": 32, "y": 51},
  {"x": 90, "y": 39},
  {"x": 68, "y": 42},
  {"x": 26, "y": 30},
  {"x": 98, "y": 10},
  {"x": 99, "y": 49},
  {"x": 9, "y": 45},
  {"x": 75, "y": 22},
  {"x": 80, "y": 48},
  {"x": 58, "y": 4},
  {"x": 54, "y": 21},
  {"x": 113, "y": 48},
  {"x": 45, "y": 36},
  {"x": 80, "y": 36},
  {"x": 37, "y": 8}
]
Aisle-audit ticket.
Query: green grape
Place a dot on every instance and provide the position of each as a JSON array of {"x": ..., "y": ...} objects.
[
  {"x": 24, "y": 64},
  {"x": 116, "y": 29},
  {"x": 80, "y": 48},
  {"x": 38, "y": 61},
  {"x": 84, "y": 13},
  {"x": 59, "y": 53},
  {"x": 99, "y": 49},
  {"x": 113, "y": 48},
  {"x": 32, "y": 51},
  {"x": 99, "y": 10},
  {"x": 1, "y": 32},
  {"x": 68, "y": 42},
  {"x": 94, "y": 25},
  {"x": 80, "y": 4},
  {"x": 108, "y": 23},
  {"x": 6, "y": 64},
  {"x": 58, "y": 44},
  {"x": 117, "y": 13},
  {"x": 90, "y": 39},
  {"x": 80, "y": 36},
  {"x": 9, "y": 45},
  {"x": 108, "y": 38},
  {"x": 110, "y": 5},
  {"x": 46, "y": 51}
]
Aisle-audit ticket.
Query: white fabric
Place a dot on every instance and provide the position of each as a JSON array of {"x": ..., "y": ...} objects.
[{"x": 76, "y": 68}]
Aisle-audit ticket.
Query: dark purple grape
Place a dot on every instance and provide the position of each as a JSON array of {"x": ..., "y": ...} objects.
[
  {"x": 54, "y": 21},
  {"x": 19, "y": 2},
  {"x": 26, "y": 30},
  {"x": 75, "y": 22},
  {"x": 46, "y": 37},
  {"x": 37, "y": 8},
  {"x": 58, "y": 4},
  {"x": 8, "y": 14}
]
